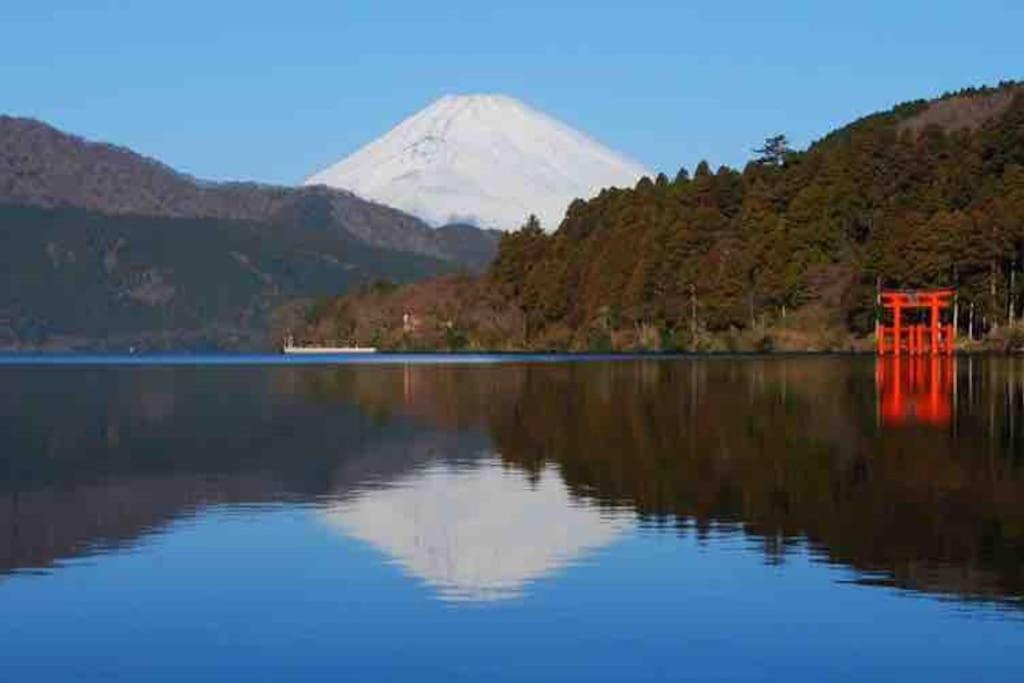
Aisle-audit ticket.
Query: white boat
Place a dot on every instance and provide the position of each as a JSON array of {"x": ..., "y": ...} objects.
[
  {"x": 329, "y": 349},
  {"x": 291, "y": 348}
]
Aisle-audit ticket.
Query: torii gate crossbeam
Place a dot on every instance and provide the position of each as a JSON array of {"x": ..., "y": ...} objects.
[{"x": 916, "y": 338}]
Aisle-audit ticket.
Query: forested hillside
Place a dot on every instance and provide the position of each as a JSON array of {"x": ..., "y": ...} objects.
[
  {"x": 786, "y": 253},
  {"x": 102, "y": 248},
  {"x": 77, "y": 279},
  {"x": 45, "y": 167}
]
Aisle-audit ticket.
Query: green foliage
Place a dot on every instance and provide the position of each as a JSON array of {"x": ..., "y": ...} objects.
[
  {"x": 764, "y": 344},
  {"x": 1013, "y": 340},
  {"x": 600, "y": 341},
  {"x": 786, "y": 253},
  {"x": 455, "y": 338},
  {"x": 892, "y": 199},
  {"x": 317, "y": 309},
  {"x": 80, "y": 279},
  {"x": 775, "y": 151},
  {"x": 381, "y": 287}
]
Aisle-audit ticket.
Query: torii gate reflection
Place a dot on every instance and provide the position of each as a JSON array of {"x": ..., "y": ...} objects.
[{"x": 915, "y": 389}]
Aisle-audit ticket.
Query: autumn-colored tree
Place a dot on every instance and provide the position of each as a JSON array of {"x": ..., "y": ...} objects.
[{"x": 903, "y": 198}]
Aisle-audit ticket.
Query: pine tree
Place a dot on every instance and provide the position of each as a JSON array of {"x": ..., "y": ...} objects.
[{"x": 775, "y": 151}]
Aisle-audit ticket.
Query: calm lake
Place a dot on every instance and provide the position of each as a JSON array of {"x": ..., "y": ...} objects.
[{"x": 770, "y": 519}]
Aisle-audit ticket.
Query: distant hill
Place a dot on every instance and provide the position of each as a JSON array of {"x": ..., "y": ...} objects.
[
  {"x": 104, "y": 248},
  {"x": 786, "y": 253},
  {"x": 42, "y": 166},
  {"x": 77, "y": 279},
  {"x": 468, "y": 244}
]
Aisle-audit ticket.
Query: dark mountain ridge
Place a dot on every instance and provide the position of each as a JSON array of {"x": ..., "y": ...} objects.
[
  {"x": 77, "y": 279},
  {"x": 104, "y": 249},
  {"x": 42, "y": 166}
]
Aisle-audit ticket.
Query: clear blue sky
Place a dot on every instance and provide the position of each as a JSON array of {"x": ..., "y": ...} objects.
[{"x": 273, "y": 91}]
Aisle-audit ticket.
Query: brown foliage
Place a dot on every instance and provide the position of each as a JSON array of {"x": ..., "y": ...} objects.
[
  {"x": 924, "y": 195},
  {"x": 456, "y": 312}
]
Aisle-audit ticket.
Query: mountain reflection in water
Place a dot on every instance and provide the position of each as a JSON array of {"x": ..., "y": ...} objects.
[
  {"x": 477, "y": 533},
  {"x": 481, "y": 479}
]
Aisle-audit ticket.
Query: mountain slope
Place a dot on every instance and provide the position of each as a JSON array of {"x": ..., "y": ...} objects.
[
  {"x": 42, "y": 166},
  {"x": 77, "y": 279},
  {"x": 101, "y": 248},
  {"x": 787, "y": 253},
  {"x": 487, "y": 160}
]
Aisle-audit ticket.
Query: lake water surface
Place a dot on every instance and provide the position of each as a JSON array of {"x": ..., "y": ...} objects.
[{"x": 775, "y": 519}]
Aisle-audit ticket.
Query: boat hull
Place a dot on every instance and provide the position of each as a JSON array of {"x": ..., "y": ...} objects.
[{"x": 321, "y": 350}]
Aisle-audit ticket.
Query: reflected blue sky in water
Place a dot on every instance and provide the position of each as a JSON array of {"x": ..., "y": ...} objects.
[
  {"x": 509, "y": 523},
  {"x": 272, "y": 593},
  {"x": 477, "y": 533}
]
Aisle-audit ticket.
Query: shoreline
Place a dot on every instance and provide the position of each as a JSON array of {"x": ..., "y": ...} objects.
[{"x": 185, "y": 358}]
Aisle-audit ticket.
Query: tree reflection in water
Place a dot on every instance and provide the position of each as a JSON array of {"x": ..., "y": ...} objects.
[{"x": 789, "y": 451}]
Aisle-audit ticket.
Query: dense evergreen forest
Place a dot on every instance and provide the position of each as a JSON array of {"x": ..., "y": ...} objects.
[
  {"x": 77, "y": 279},
  {"x": 787, "y": 253}
]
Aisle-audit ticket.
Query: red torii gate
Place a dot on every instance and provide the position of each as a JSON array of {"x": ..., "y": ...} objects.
[{"x": 933, "y": 337}]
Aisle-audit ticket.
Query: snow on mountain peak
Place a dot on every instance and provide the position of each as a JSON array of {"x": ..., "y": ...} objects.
[{"x": 487, "y": 159}]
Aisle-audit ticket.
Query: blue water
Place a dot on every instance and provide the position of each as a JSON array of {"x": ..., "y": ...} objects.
[
  {"x": 645, "y": 520},
  {"x": 271, "y": 595}
]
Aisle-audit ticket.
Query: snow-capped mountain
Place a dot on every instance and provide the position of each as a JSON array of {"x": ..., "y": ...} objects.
[{"x": 489, "y": 160}]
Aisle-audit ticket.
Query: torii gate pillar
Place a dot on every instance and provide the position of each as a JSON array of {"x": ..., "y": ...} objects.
[{"x": 898, "y": 338}]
